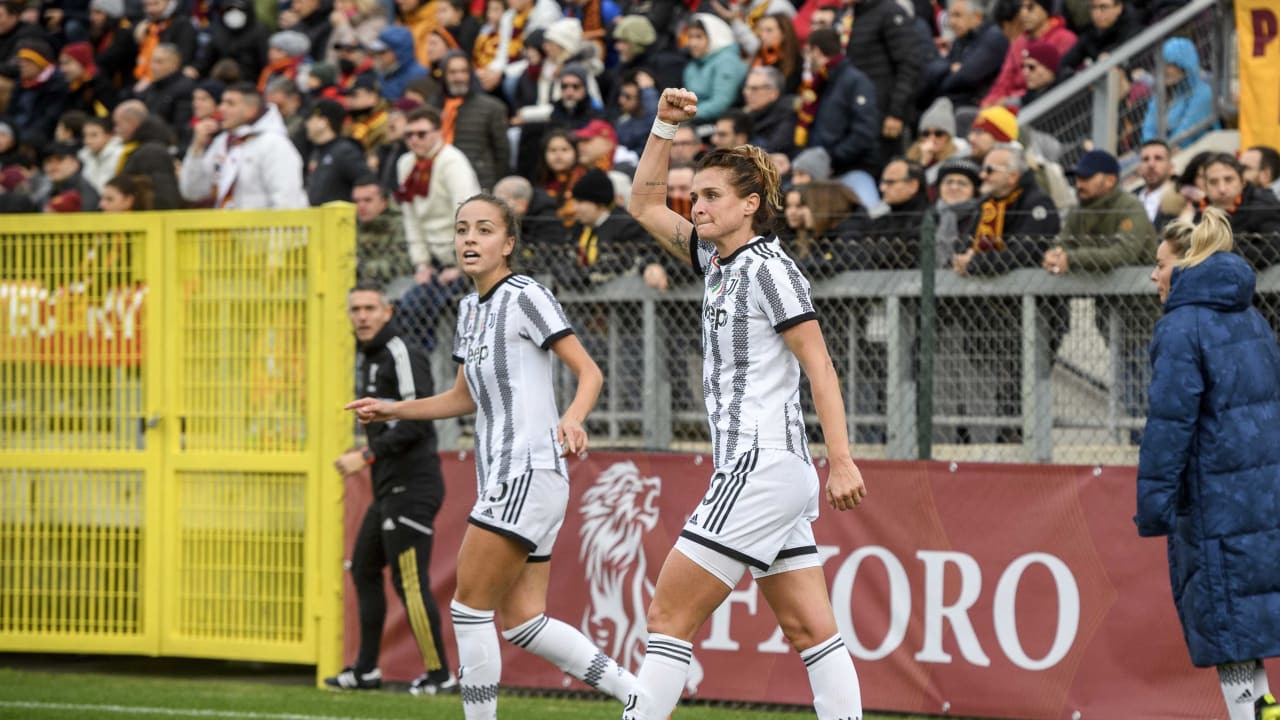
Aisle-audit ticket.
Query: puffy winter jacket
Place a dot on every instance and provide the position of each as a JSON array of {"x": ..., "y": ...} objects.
[
  {"x": 716, "y": 78},
  {"x": 1209, "y": 467}
]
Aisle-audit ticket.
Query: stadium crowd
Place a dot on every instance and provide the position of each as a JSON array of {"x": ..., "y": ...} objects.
[{"x": 875, "y": 112}]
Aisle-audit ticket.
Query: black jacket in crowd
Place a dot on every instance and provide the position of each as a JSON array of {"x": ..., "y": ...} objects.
[
  {"x": 618, "y": 244},
  {"x": 885, "y": 46},
  {"x": 480, "y": 132},
  {"x": 1031, "y": 225},
  {"x": 405, "y": 458},
  {"x": 169, "y": 98},
  {"x": 893, "y": 242},
  {"x": 151, "y": 157},
  {"x": 332, "y": 171},
  {"x": 848, "y": 122},
  {"x": 1256, "y": 225},
  {"x": 1093, "y": 42},
  {"x": 980, "y": 54},
  {"x": 774, "y": 127},
  {"x": 246, "y": 46}
]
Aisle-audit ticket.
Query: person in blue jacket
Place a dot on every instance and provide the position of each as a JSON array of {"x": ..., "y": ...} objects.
[
  {"x": 716, "y": 69},
  {"x": 1209, "y": 467},
  {"x": 394, "y": 58},
  {"x": 1189, "y": 99}
]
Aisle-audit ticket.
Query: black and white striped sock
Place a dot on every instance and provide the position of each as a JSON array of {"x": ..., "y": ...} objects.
[
  {"x": 479, "y": 661},
  {"x": 573, "y": 653}
]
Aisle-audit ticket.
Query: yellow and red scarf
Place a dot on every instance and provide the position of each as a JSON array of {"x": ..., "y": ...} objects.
[
  {"x": 807, "y": 101},
  {"x": 989, "y": 235},
  {"x": 417, "y": 183}
]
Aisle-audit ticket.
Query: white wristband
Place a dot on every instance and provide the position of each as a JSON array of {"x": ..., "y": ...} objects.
[{"x": 664, "y": 130}]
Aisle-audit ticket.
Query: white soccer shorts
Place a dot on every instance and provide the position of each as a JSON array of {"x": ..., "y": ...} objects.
[{"x": 529, "y": 508}]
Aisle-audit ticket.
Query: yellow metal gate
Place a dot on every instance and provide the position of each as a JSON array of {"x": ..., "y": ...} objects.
[{"x": 171, "y": 388}]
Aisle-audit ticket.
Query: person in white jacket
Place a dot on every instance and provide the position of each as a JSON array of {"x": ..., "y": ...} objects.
[
  {"x": 100, "y": 155},
  {"x": 434, "y": 178},
  {"x": 251, "y": 164}
]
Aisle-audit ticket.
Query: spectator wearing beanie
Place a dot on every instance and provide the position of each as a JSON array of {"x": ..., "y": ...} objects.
[
  {"x": 1038, "y": 23},
  {"x": 336, "y": 162},
  {"x": 70, "y": 192},
  {"x": 956, "y": 207},
  {"x": 936, "y": 140},
  {"x": 115, "y": 49},
  {"x": 88, "y": 91},
  {"x": 608, "y": 242},
  {"x": 810, "y": 165},
  {"x": 286, "y": 51},
  {"x": 41, "y": 95},
  {"x": 164, "y": 23},
  {"x": 640, "y": 49},
  {"x": 311, "y": 18},
  {"x": 1040, "y": 64},
  {"x": 991, "y": 126},
  {"x": 235, "y": 33}
]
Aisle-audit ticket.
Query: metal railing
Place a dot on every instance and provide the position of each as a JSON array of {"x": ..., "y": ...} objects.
[{"x": 1096, "y": 108}]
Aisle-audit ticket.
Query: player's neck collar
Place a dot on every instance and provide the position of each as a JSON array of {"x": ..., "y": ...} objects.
[
  {"x": 754, "y": 241},
  {"x": 485, "y": 298}
]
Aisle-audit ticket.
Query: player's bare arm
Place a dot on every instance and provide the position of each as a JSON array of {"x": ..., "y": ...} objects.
[
  {"x": 649, "y": 191},
  {"x": 570, "y": 433},
  {"x": 845, "y": 486},
  {"x": 454, "y": 402}
]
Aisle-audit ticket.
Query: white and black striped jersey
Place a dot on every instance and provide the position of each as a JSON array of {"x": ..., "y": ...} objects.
[
  {"x": 502, "y": 341},
  {"x": 750, "y": 378}
]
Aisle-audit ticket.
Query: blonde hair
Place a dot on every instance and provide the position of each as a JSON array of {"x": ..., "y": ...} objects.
[
  {"x": 1178, "y": 235},
  {"x": 1212, "y": 235}
]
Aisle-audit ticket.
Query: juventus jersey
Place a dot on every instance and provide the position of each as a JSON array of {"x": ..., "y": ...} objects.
[
  {"x": 502, "y": 342},
  {"x": 750, "y": 378}
]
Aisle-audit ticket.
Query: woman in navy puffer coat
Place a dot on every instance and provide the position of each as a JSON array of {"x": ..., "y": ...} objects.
[{"x": 1209, "y": 468}]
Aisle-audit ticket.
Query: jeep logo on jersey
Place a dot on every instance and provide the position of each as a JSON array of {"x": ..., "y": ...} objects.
[
  {"x": 617, "y": 511},
  {"x": 717, "y": 317},
  {"x": 477, "y": 354}
]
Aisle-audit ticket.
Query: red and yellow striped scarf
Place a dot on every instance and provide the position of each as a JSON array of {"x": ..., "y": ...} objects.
[
  {"x": 989, "y": 235},
  {"x": 807, "y": 101}
]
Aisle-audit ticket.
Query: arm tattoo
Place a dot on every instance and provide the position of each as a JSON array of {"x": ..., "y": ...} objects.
[{"x": 677, "y": 244}]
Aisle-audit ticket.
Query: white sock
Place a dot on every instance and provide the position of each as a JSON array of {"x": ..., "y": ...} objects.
[
  {"x": 661, "y": 678},
  {"x": 1237, "y": 681},
  {"x": 836, "y": 694},
  {"x": 479, "y": 661},
  {"x": 1260, "y": 685},
  {"x": 573, "y": 653}
]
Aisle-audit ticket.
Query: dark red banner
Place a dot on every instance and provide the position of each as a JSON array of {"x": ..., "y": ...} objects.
[{"x": 1011, "y": 591}]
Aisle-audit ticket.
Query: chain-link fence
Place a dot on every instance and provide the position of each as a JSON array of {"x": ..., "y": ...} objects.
[{"x": 1003, "y": 362}]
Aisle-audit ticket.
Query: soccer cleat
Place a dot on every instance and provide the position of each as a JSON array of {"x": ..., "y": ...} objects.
[
  {"x": 1266, "y": 708},
  {"x": 425, "y": 685},
  {"x": 349, "y": 679}
]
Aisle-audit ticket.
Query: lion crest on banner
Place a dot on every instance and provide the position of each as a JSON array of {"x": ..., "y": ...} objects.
[{"x": 617, "y": 510}]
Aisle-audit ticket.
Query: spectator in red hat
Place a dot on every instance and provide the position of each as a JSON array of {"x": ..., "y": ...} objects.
[
  {"x": 42, "y": 92},
  {"x": 88, "y": 91},
  {"x": 1040, "y": 64},
  {"x": 1038, "y": 23},
  {"x": 597, "y": 142}
]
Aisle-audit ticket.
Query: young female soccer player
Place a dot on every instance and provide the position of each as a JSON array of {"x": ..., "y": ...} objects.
[
  {"x": 758, "y": 330},
  {"x": 507, "y": 330}
]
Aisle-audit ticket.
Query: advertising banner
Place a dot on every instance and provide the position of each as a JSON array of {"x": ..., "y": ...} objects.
[
  {"x": 1258, "y": 30},
  {"x": 986, "y": 590}
]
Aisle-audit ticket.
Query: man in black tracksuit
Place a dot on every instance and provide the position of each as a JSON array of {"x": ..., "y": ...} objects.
[{"x": 408, "y": 489}]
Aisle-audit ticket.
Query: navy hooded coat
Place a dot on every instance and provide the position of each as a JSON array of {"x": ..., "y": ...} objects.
[{"x": 1209, "y": 467}]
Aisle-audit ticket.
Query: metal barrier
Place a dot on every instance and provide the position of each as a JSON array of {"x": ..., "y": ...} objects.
[
  {"x": 1017, "y": 366},
  {"x": 168, "y": 417}
]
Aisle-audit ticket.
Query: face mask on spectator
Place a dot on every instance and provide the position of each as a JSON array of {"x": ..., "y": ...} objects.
[{"x": 234, "y": 18}]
